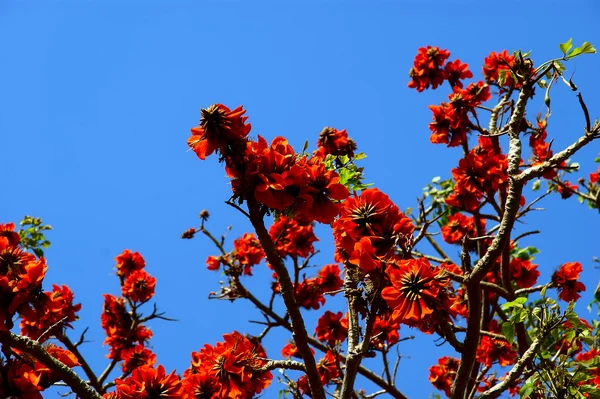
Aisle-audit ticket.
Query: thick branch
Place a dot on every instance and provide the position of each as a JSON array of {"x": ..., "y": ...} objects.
[
  {"x": 473, "y": 279},
  {"x": 351, "y": 292},
  {"x": 289, "y": 299}
]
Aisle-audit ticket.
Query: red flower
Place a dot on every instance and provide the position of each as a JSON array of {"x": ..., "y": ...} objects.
[
  {"x": 329, "y": 278},
  {"x": 323, "y": 188},
  {"x": 491, "y": 350},
  {"x": 52, "y": 307},
  {"x": 200, "y": 386},
  {"x": 248, "y": 252},
  {"x": 149, "y": 383},
  {"x": 414, "y": 292},
  {"x": 8, "y": 236},
  {"x": 457, "y": 227},
  {"x": 456, "y": 71},
  {"x": 427, "y": 69},
  {"x": 448, "y": 126},
  {"x": 309, "y": 293},
  {"x": 137, "y": 356},
  {"x": 290, "y": 350},
  {"x": 327, "y": 368},
  {"x": 213, "y": 262},
  {"x": 293, "y": 237},
  {"x": 364, "y": 256},
  {"x": 443, "y": 374},
  {"x": 332, "y": 328},
  {"x": 567, "y": 189},
  {"x": 230, "y": 367},
  {"x": 595, "y": 177},
  {"x": 128, "y": 262},
  {"x": 335, "y": 142},
  {"x": 497, "y": 63},
  {"x": 385, "y": 332},
  {"x": 524, "y": 272},
  {"x": 220, "y": 129},
  {"x": 139, "y": 286},
  {"x": 565, "y": 279},
  {"x": 372, "y": 215}
]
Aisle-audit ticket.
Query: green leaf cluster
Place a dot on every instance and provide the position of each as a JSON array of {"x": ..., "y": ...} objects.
[{"x": 32, "y": 235}]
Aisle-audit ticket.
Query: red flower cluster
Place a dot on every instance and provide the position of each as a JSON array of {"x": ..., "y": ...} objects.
[
  {"x": 122, "y": 334},
  {"x": 278, "y": 178},
  {"x": 491, "y": 350},
  {"x": 332, "y": 328},
  {"x": 497, "y": 63},
  {"x": 417, "y": 295},
  {"x": 335, "y": 142},
  {"x": 25, "y": 377},
  {"x": 458, "y": 226},
  {"x": 428, "y": 70},
  {"x": 524, "y": 273},
  {"x": 293, "y": 237},
  {"x": 147, "y": 382},
  {"x": 451, "y": 120},
  {"x": 230, "y": 369},
  {"x": 248, "y": 252},
  {"x": 502, "y": 69},
  {"x": 442, "y": 375},
  {"x": 565, "y": 279},
  {"x": 47, "y": 311},
  {"x": 370, "y": 226},
  {"x": 481, "y": 172},
  {"x": 21, "y": 276},
  {"x": 136, "y": 284},
  {"x": 272, "y": 175}
]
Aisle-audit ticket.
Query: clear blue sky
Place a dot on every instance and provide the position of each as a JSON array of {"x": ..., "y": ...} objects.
[{"x": 97, "y": 98}]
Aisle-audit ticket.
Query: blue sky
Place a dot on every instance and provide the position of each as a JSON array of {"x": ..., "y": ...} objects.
[{"x": 98, "y": 97}]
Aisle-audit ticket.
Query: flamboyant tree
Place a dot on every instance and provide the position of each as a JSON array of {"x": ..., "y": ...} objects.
[{"x": 511, "y": 333}]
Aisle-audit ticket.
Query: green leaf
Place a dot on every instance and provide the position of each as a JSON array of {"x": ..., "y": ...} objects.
[
  {"x": 536, "y": 185},
  {"x": 502, "y": 77},
  {"x": 526, "y": 391},
  {"x": 508, "y": 330},
  {"x": 565, "y": 47},
  {"x": 359, "y": 156},
  {"x": 586, "y": 48},
  {"x": 517, "y": 303}
]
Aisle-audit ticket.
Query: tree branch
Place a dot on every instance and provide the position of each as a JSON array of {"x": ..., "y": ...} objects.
[{"x": 289, "y": 299}]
